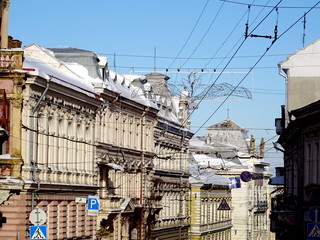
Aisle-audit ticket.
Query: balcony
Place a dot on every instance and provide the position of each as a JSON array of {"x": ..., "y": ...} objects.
[
  {"x": 10, "y": 59},
  {"x": 10, "y": 166}
]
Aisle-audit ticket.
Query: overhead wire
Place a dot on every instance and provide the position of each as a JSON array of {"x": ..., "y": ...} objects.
[
  {"x": 256, "y": 64},
  {"x": 203, "y": 37},
  {"x": 225, "y": 41},
  {"x": 227, "y": 64},
  {"x": 193, "y": 29},
  {"x": 272, "y": 43},
  {"x": 265, "y": 6},
  {"x": 259, "y": 59},
  {"x": 224, "y": 70},
  {"x": 246, "y": 34}
]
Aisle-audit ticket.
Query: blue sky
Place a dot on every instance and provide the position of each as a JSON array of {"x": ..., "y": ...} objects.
[{"x": 137, "y": 35}]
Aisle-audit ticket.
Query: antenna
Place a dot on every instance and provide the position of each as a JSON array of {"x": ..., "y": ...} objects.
[
  {"x": 304, "y": 29},
  {"x": 155, "y": 59},
  {"x": 114, "y": 62}
]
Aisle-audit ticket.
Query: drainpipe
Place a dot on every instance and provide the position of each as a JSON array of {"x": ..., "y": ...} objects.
[
  {"x": 35, "y": 127},
  {"x": 142, "y": 184},
  {"x": 286, "y": 120}
]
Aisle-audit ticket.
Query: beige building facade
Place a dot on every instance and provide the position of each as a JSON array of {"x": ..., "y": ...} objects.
[
  {"x": 73, "y": 129},
  {"x": 170, "y": 187},
  {"x": 100, "y": 135}
]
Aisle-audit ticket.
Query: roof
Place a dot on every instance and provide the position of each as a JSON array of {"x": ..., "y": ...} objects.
[
  {"x": 227, "y": 125},
  {"x": 159, "y": 84},
  {"x": 219, "y": 161},
  {"x": 85, "y": 66},
  {"x": 307, "y": 59},
  {"x": 227, "y": 133},
  {"x": 279, "y": 180},
  {"x": 205, "y": 176},
  {"x": 157, "y": 75},
  {"x": 44, "y": 69},
  {"x": 85, "y": 58}
]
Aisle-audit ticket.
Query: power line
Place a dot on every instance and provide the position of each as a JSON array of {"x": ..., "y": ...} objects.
[
  {"x": 225, "y": 41},
  {"x": 239, "y": 47},
  {"x": 203, "y": 37},
  {"x": 205, "y": 6},
  {"x": 269, "y": 48},
  {"x": 260, "y": 59},
  {"x": 267, "y": 6},
  {"x": 224, "y": 70}
]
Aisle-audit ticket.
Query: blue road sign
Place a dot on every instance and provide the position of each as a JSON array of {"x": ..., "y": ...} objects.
[
  {"x": 93, "y": 203},
  {"x": 246, "y": 176},
  {"x": 38, "y": 232},
  {"x": 313, "y": 231},
  {"x": 314, "y": 214}
]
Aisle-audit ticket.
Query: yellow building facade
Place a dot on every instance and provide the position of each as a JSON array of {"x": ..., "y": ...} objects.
[{"x": 210, "y": 205}]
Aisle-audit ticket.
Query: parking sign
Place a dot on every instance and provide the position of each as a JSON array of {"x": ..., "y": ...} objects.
[{"x": 93, "y": 203}]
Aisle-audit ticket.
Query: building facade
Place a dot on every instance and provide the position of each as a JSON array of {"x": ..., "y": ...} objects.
[
  {"x": 53, "y": 127},
  {"x": 170, "y": 166},
  {"x": 87, "y": 131},
  {"x": 250, "y": 198},
  {"x": 11, "y": 161},
  {"x": 210, "y": 204},
  {"x": 72, "y": 129},
  {"x": 124, "y": 148},
  {"x": 293, "y": 216}
]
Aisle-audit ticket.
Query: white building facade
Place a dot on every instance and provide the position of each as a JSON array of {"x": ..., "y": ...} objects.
[{"x": 250, "y": 217}]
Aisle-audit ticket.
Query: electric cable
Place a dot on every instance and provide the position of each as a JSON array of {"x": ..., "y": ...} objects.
[
  {"x": 203, "y": 37},
  {"x": 266, "y": 6},
  {"x": 193, "y": 29},
  {"x": 284, "y": 33}
]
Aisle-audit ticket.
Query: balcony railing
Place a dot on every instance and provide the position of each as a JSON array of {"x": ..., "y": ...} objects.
[
  {"x": 261, "y": 205},
  {"x": 172, "y": 222},
  {"x": 215, "y": 225}
]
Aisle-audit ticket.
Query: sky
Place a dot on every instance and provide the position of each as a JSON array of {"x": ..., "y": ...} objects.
[{"x": 203, "y": 41}]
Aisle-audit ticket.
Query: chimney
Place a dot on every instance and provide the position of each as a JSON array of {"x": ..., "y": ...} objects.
[{"x": 4, "y": 10}]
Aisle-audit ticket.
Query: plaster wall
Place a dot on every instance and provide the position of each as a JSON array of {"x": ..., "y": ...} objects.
[{"x": 302, "y": 91}]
